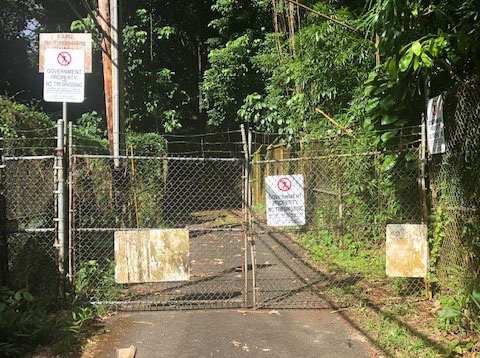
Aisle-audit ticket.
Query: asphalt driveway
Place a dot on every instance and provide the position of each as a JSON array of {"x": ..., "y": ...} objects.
[{"x": 231, "y": 333}]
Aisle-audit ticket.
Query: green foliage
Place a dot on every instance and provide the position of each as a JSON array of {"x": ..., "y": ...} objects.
[
  {"x": 16, "y": 116},
  {"x": 153, "y": 97},
  {"x": 395, "y": 338},
  {"x": 96, "y": 282},
  {"x": 146, "y": 144},
  {"x": 228, "y": 80},
  {"x": 344, "y": 254},
  {"x": 438, "y": 222},
  {"x": 424, "y": 50},
  {"x": 26, "y": 322},
  {"x": 460, "y": 313},
  {"x": 24, "y": 128},
  {"x": 250, "y": 82}
]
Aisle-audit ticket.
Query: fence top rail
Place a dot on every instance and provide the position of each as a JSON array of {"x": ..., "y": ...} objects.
[
  {"x": 329, "y": 156},
  {"x": 30, "y": 157},
  {"x": 141, "y": 157}
]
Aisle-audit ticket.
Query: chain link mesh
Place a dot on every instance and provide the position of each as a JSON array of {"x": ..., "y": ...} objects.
[
  {"x": 338, "y": 255},
  {"x": 202, "y": 195},
  {"x": 29, "y": 192},
  {"x": 455, "y": 189}
]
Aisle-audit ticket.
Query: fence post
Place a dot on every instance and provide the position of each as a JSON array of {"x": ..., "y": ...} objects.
[
  {"x": 245, "y": 213},
  {"x": 249, "y": 241},
  {"x": 253, "y": 250},
  {"x": 60, "y": 204},
  {"x": 70, "y": 247},
  {"x": 3, "y": 222}
]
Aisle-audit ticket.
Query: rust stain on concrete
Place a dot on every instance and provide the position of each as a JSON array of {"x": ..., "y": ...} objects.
[
  {"x": 159, "y": 255},
  {"x": 407, "y": 250}
]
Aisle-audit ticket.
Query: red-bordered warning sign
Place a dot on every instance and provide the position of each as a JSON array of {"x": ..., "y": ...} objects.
[
  {"x": 285, "y": 200},
  {"x": 284, "y": 184},
  {"x": 64, "y": 58}
]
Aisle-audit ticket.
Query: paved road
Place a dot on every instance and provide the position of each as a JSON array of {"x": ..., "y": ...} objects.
[{"x": 231, "y": 333}]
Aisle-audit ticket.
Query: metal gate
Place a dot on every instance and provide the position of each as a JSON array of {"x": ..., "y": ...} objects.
[
  {"x": 203, "y": 195},
  {"x": 349, "y": 198},
  {"x": 236, "y": 259}
]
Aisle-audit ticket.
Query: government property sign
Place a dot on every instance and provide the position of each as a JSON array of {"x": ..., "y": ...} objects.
[
  {"x": 285, "y": 199},
  {"x": 64, "y": 78}
]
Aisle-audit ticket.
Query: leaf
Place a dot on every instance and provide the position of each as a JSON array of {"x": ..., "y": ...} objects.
[
  {"x": 476, "y": 295},
  {"x": 388, "y": 101},
  {"x": 367, "y": 122},
  {"x": 449, "y": 312},
  {"x": 427, "y": 61},
  {"x": 417, "y": 48},
  {"x": 406, "y": 60},
  {"x": 392, "y": 67},
  {"x": 389, "y": 162},
  {"x": 387, "y": 119},
  {"x": 411, "y": 156},
  {"x": 416, "y": 63},
  {"x": 368, "y": 90},
  {"x": 389, "y": 135},
  {"x": 372, "y": 104},
  {"x": 401, "y": 123},
  {"x": 18, "y": 296},
  {"x": 28, "y": 296}
]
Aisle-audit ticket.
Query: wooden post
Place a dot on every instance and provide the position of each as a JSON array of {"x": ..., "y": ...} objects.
[{"x": 104, "y": 21}]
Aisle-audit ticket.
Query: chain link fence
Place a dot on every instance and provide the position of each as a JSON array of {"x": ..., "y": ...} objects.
[
  {"x": 338, "y": 256},
  {"x": 202, "y": 195},
  {"x": 455, "y": 191},
  {"x": 28, "y": 186},
  {"x": 352, "y": 191}
]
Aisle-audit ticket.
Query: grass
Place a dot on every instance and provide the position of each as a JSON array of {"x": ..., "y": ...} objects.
[
  {"x": 394, "y": 338},
  {"x": 351, "y": 258},
  {"x": 399, "y": 324}
]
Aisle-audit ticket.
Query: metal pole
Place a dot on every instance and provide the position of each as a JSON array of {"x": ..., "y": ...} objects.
[
  {"x": 423, "y": 157},
  {"x": 245, "y": 211},
  {"x": 64, "y": 116},
  {"x": 3, "y": 222},
  {"x": 251, "y": 238},
  {"x": 70, "y": 202},
  {"x": 60, "y": 196}
]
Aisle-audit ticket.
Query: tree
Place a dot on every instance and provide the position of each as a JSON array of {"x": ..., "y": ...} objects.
[{"x": 426, "y": 48}]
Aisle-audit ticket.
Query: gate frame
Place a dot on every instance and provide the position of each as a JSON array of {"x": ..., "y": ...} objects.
[{"x": 246, "y": 207}]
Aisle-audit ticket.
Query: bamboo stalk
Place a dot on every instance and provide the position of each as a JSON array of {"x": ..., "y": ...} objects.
[
  {"x": 333, "y": 121},
  {"x": 329, "y": 18}
]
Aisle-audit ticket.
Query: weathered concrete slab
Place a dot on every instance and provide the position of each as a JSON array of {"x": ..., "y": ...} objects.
[
  {"x": 407, "y": 250},
  {"x": 152, "y": 256}
]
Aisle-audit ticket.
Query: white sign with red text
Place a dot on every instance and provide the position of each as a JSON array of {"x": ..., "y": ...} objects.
[
  {"x": 64, "y": 75},
  {"x": 285, "y": 200}
]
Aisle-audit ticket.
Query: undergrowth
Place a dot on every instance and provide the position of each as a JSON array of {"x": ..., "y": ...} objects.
[
  {"x": 27, "y": 322},
  {"x": 345, "y": 254}
]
